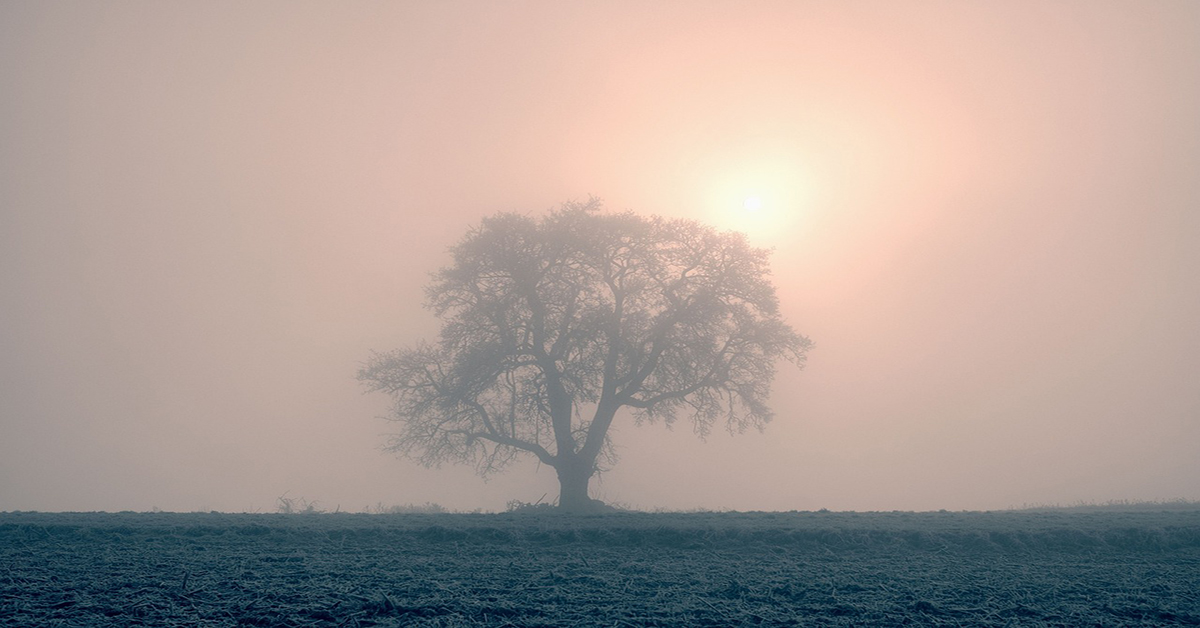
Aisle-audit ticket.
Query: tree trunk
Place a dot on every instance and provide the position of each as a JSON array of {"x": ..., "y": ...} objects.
[{"x": 573, "y": 488}]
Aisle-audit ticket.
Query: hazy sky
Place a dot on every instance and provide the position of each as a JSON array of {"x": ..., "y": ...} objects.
[{"x": 986, "y": 215}]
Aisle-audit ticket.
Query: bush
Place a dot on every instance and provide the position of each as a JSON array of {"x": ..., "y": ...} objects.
[
  {"x": 296, "y": 506},
  {"x": 428, "y": 508},
  {"x": 518, "y": 506}
]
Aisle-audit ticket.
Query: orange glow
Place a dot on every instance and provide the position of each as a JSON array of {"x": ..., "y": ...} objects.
[{"x": 983, "y": 214}]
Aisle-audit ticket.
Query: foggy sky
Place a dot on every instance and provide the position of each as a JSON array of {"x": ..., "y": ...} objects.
[{"x": 986, "y": 216}]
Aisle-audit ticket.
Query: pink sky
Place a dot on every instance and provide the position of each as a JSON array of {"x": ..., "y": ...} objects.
[{"x": 986, "y": 215}]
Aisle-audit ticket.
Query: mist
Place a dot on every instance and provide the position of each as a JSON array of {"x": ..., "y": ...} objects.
[{"x": 985, "y": 217}]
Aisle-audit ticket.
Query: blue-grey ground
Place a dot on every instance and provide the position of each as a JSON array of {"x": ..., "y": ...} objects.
[{"x": 630, "y": 569}]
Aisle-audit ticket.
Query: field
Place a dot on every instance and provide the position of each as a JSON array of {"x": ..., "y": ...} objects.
[{"x": 1062, "y": 568}]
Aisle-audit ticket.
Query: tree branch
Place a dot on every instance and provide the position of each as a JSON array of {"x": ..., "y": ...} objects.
[{"x": 496, "y": 436}]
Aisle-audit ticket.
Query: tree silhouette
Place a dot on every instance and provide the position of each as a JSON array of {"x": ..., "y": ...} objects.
[{"x": 551, "y": 327}]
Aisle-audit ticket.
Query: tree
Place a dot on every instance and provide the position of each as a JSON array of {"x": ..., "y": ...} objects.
[{"x": 552, "y": 327}]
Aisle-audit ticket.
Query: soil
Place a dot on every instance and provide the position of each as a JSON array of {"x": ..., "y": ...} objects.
[{"x": 615, "y": 569}]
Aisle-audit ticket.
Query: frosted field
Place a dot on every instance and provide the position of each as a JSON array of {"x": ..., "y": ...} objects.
[{"x": 1061, "y": 568}]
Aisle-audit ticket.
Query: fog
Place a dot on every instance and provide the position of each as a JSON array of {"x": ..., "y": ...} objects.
[{"x": 985, "y": 215}]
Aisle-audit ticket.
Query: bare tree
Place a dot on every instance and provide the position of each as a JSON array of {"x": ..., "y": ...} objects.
[{"x": 551, "y": 327}]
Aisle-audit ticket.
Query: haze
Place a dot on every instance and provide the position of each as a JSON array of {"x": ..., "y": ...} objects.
[{"x": 985, "y": 215}]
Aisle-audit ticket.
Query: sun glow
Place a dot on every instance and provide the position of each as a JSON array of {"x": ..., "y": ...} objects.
[
  {"x": 762, "y": 187},
  {"x": 768, "y": 206}
]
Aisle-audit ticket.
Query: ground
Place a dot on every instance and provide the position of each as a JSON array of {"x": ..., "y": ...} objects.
[{"x": 616, "y": 569}]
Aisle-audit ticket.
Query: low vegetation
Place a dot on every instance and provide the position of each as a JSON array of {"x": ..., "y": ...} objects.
[{"x": 528, "y": 568}]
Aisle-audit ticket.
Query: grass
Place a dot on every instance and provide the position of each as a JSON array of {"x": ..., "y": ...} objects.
[
  {"x": 1056, "y": 567},
  {"x": 1119, "y": 505}
]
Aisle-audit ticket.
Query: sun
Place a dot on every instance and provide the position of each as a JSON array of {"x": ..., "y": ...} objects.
[
  {"x": 767, "y": 214},
  {"x": 764, "y": 190},
  {"x": 759, "y": 216}
]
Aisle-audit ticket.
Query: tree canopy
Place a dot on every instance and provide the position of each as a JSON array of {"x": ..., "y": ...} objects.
[{"x": 552, "y": 326}]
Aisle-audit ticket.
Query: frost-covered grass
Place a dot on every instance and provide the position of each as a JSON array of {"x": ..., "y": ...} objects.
[
  {"x": 1059, "y": 567},
  {"x": 1119, "y": 505}
]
